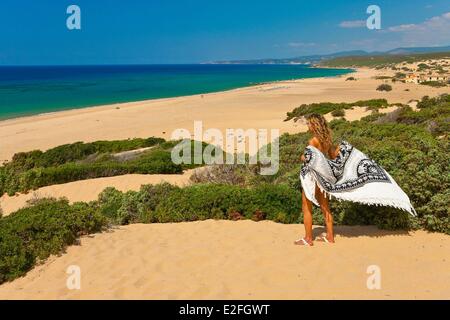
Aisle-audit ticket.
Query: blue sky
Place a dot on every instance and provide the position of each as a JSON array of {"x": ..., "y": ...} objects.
[{"x": 191, "y": 31}]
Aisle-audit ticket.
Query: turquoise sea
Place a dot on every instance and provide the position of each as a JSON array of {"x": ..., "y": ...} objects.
[{"x": 31, "y": 90}]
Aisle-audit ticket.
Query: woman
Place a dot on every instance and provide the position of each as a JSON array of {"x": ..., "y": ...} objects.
[
  {"x": 321, "y": 140},
  {"x": 345, "y": 173}
]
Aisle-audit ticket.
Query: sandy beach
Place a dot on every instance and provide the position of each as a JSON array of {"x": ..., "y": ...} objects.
[
  {"x": 262, "y": 106},
  {"x": 242, "y": 260}
]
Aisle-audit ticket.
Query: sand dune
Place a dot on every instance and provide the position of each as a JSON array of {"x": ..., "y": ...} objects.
[
  {"x": 242, "y": 260},
  {"x": 88, "y": 190}
]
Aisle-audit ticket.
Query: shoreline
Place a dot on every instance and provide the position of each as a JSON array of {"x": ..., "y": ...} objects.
[{"x": 6, "y": 119}]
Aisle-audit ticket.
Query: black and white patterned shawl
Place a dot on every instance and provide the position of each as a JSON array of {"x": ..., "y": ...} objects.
[{"x": 352, "y": 176}]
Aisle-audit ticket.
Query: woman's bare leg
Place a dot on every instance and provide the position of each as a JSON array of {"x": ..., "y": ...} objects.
[
  {"x": 307, "y": 220},
  {"x": 324, "y": 206}
]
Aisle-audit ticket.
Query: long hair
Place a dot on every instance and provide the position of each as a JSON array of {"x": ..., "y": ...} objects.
[{"x": 321, "y": 131}]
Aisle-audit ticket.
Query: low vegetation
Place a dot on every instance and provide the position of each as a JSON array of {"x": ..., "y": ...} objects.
[
  {"x": 384, "y": 87},
  {"x": 400, "y": 76},
  {"x": 422, "y": 67},
  {"x": 435, "y": 84},
  {"x": 166, "y": 203},
  {"x": 32, "y": 234},
  {"x": 23, "y": 161},
  {"x": 338, "y": 113},
  {"x": 383, "y": 77},
  {"x": 326, "y": 107},
  {"x": 80, "y": 161}
]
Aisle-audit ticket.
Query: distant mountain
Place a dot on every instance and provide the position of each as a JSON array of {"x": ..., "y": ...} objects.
[
  {"x": 418, "y": 50},
  {"x": 312, "y": 59},
  {"x": 299, "y": 60}
]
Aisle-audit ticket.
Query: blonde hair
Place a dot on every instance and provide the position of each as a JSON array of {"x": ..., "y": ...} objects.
[{"x": 321, "y": 131}]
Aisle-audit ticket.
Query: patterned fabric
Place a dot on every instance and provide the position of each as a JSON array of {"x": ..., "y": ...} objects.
[{"x": 351, "y": 176}]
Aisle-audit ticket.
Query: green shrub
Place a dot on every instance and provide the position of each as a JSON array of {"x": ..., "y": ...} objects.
[
  {"x": 348, "y": 213},
  {"x": 128, "y": 211},
  {"x": 338, "y": 113},
  {"x": 434, "y": 115},
  {"x": 326, "y": 107},
  {"x": 435, "y": 84},
  {"x": 432, "y": 223},
  {"x": 148, "y": 199},
  {"x": 34, "y": 233},
  {"x": 14, "y": 178},
  {"x": 40, "y": 177},
  {"x": 167, "y": 203},
  {"x": 109, "y": 202},
  {"x": 132, "y": 207},
  {"x": 372, "y": 117},
  {"x": 384, "y": 87},
  {"x": 423, "y": 66},
  {"x": 438, "y": 102},
  {"x": 382, "y": 77},
  {"x": 77, "y": 151}
]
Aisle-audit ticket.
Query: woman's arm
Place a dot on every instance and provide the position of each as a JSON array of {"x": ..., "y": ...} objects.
[
  {"x": 312, "y": 142},
  {"x": 336, "y": 152}
]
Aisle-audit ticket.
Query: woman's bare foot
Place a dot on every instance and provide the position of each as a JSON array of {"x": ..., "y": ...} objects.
[
  {"x": 303, "y": 242},
  {"x": 325, "y": 238}
]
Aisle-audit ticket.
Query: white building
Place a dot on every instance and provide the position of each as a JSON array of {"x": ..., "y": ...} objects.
[{"x": 414, "y": 78}]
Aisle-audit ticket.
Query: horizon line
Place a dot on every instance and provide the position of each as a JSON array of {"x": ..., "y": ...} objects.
[{"x": 221, "y": 62}]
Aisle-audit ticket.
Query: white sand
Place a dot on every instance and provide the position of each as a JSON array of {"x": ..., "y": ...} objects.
[
  {"x": 242, "y": 260},
  {"x": 88, "y": 190}
]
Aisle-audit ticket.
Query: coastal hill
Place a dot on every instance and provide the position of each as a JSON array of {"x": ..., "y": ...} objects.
[{"x": 314, "y": 59}]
